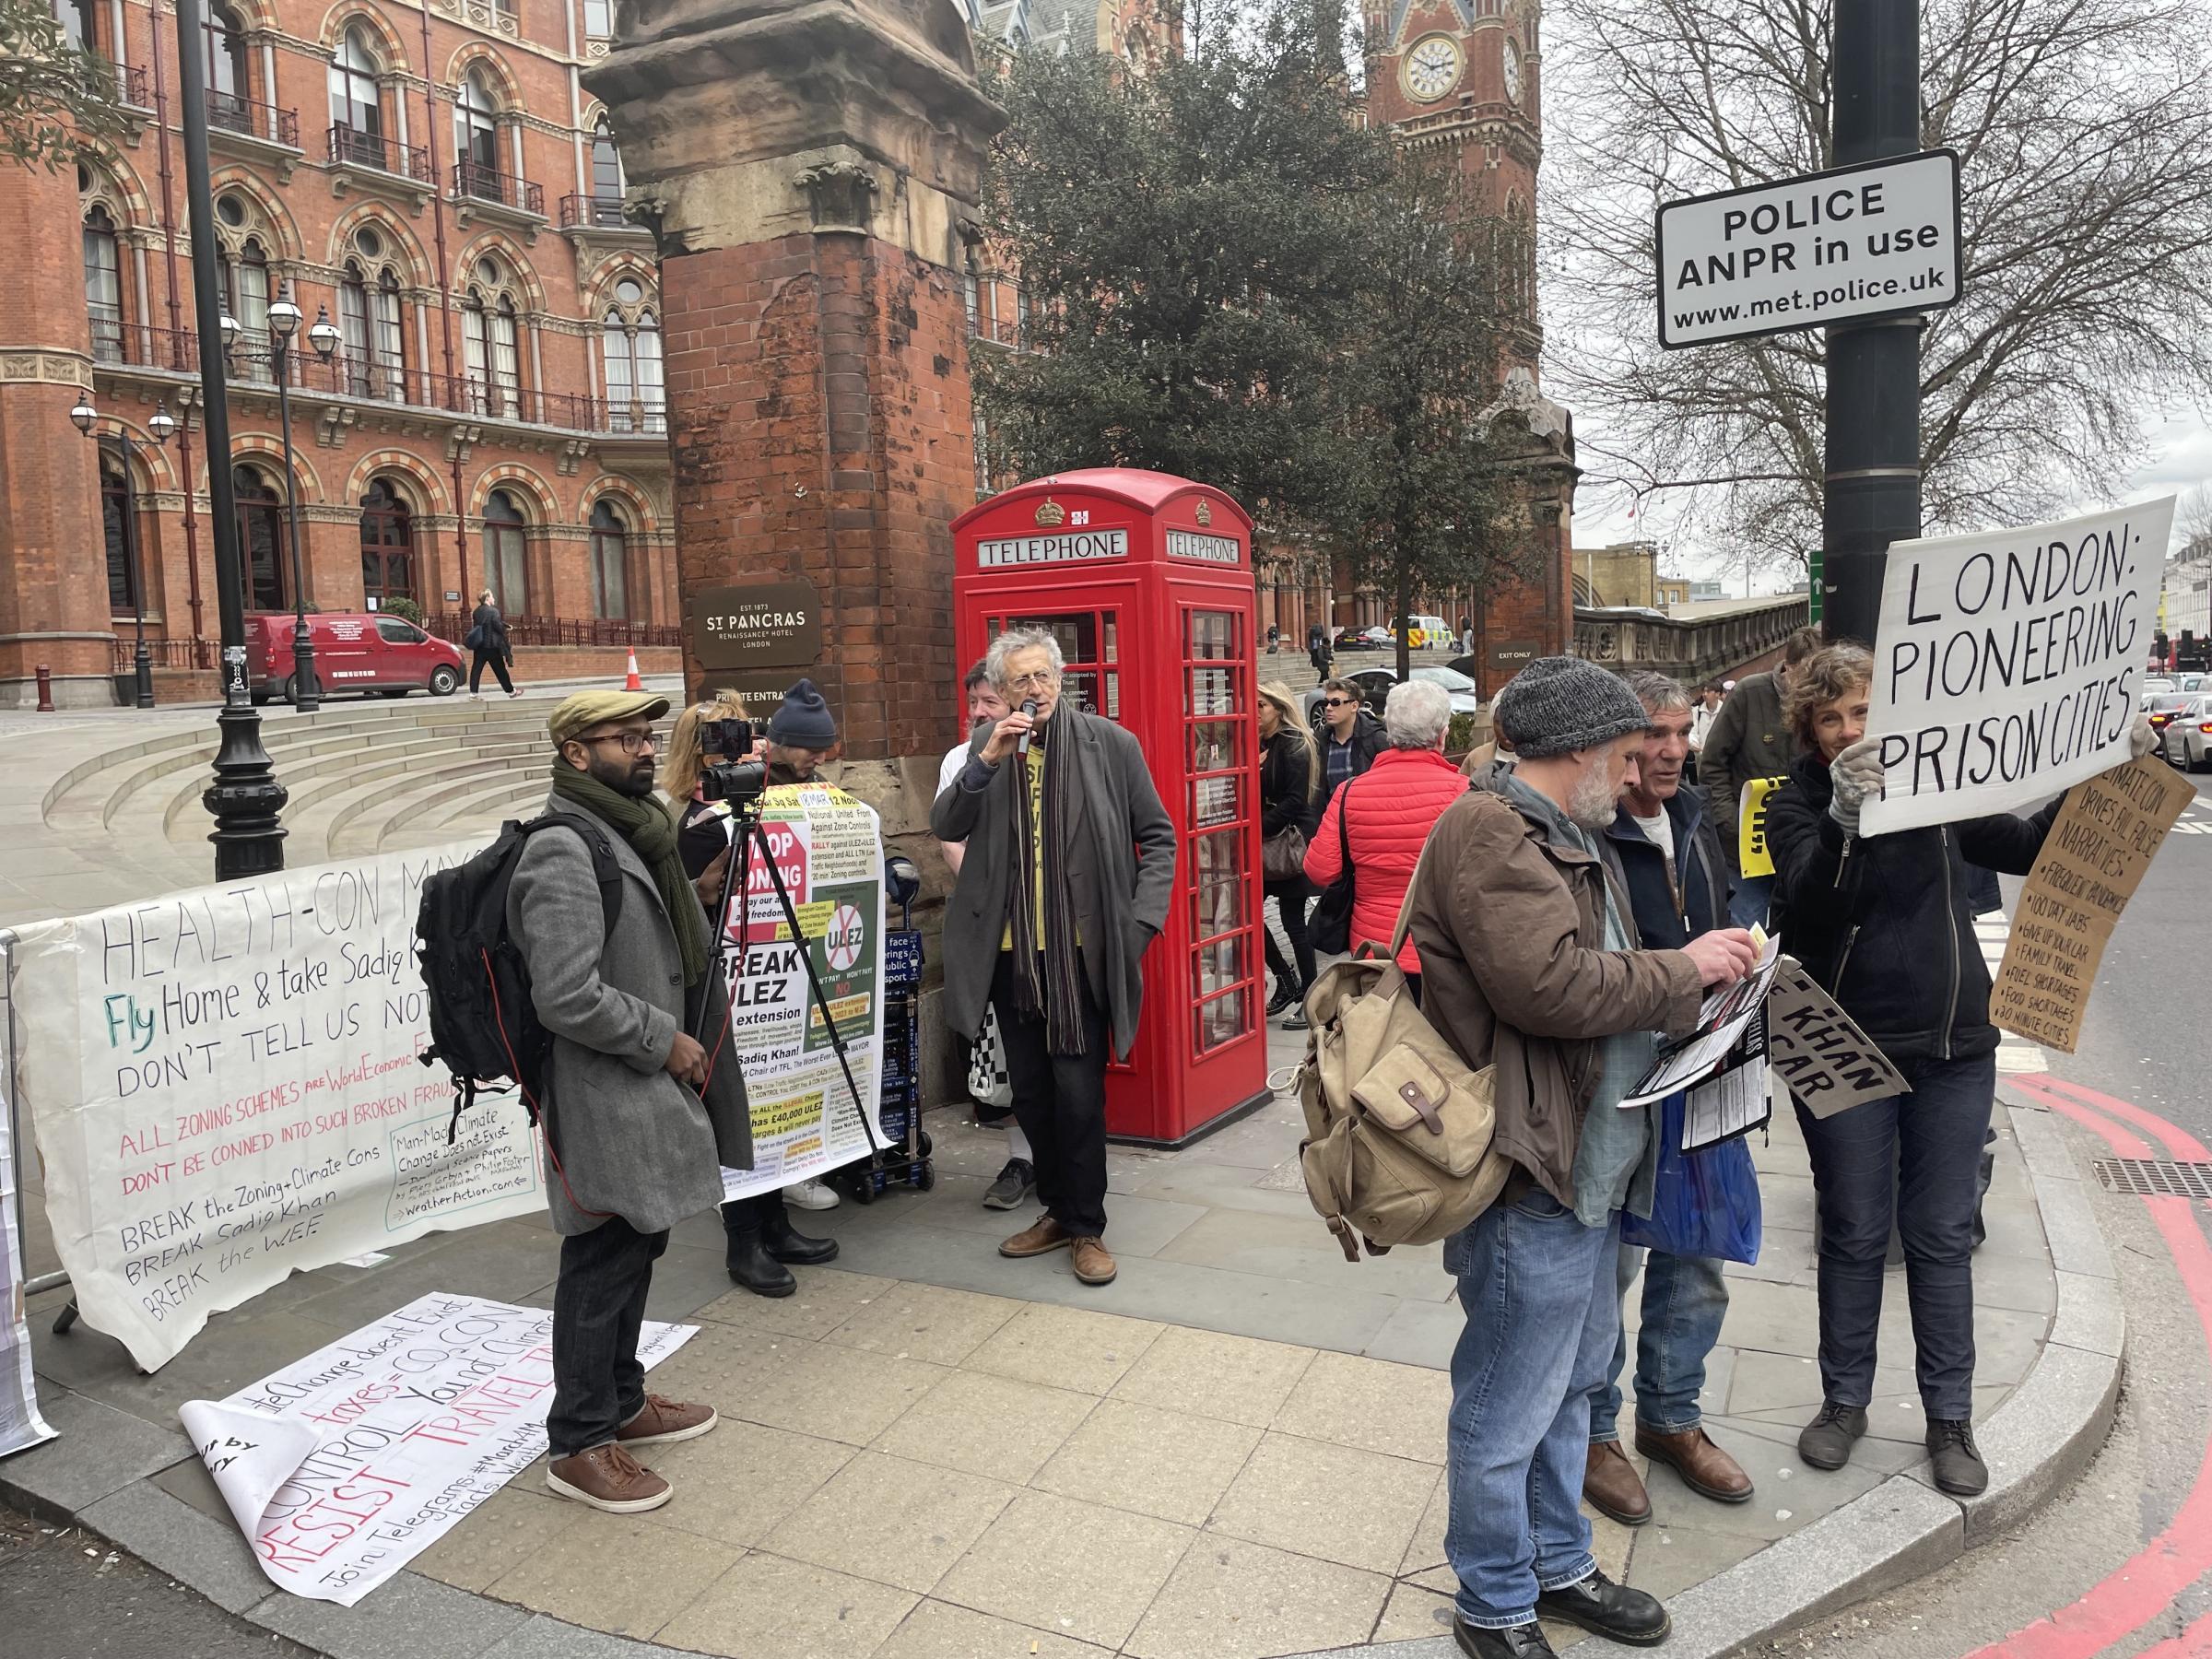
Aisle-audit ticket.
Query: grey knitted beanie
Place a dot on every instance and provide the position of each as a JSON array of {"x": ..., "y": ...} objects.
[{"x": 1557, "y": 705}]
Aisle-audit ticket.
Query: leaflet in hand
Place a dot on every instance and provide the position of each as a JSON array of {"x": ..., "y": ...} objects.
[{"x": 1727, "y": 1011}]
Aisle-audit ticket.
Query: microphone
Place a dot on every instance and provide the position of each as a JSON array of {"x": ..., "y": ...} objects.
[{"x": 1021, "y": 743}]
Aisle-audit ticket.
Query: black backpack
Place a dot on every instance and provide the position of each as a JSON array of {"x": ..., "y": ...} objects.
[{"x": 484, "y": 1026}]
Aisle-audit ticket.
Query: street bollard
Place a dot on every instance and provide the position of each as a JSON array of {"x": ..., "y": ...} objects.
[{"x": 46, "y": 690}]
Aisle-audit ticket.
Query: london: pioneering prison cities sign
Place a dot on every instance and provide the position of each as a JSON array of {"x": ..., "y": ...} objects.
[
  {"x": 2011, "y": 663},
  {"x": 225, "y": 1088},
  {"x": 1874, "y": 240}
]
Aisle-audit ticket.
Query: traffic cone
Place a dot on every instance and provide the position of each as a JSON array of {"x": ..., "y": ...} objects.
[{"x": 632, "y": 682}]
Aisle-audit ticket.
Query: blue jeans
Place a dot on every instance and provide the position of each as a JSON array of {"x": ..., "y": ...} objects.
[
  {"x": 1747, "y": 903},
  {"x": 1917, "y": 1157},
  {"x": 1685, "y": 1298},
  {"x": 1536, "y": 1289}
]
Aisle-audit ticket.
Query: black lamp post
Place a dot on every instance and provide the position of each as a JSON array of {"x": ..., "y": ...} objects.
[
  {"x": 283, "y": 322},
  {"x": 160, "y": 426},
  {"x": 245, "y": 798}
]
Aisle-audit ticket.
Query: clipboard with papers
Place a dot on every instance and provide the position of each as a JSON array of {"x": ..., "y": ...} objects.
[{"x": 1720, "y": 1067}]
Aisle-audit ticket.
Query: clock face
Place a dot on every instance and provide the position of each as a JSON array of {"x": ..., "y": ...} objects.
[
  {"x": 1513, "y": 73},
  {"x": 1432, "y": 67}
]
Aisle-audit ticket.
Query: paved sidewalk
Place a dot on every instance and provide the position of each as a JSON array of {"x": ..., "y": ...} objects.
[{"x": 1235, "y": 1449}]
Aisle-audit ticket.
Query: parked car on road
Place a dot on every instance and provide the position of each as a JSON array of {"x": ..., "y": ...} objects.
[
  {"x": 354, "y": 651},
  {"x": 1374, "y": 686},
  {"x": 2186, "y": 737},
  {"x": 1377, "y": 637}
]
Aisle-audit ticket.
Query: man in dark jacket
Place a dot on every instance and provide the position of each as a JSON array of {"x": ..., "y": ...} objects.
[
  {"x": 490, "y": 645},
  {"x": 1066, "y": 878},
  {"x": 1529, "y": 966},
  {"x": 1748, "y": 738},
  {"x": 639, "y": 1118},
  {"x": 1350, "y": 738},
  {"x": 1677, "y": 885}
]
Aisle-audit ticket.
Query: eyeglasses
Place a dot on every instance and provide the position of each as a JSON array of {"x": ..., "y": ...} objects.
[
  {"x": 1042, "y": 680},
  {"x": 633, "y": 743}
]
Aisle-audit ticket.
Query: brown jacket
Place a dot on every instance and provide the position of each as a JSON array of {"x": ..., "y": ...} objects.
[{"x": 1511, "y": 925}]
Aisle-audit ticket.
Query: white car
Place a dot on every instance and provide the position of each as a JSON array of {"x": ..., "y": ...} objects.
[{"x": 2186, "y": 738}]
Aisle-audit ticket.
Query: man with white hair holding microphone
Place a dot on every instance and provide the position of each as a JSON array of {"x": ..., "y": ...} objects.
[{"x": 1069, "y": 866}]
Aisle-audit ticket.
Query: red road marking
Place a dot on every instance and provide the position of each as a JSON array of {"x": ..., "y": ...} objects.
[{"x": 2145, "y": 1586}]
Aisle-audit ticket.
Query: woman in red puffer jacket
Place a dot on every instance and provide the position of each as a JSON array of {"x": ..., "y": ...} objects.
[{"x": 1386, "y": 813}]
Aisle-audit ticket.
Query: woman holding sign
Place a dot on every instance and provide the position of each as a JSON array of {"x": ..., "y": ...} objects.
[{"x": 1886, "y": 925}]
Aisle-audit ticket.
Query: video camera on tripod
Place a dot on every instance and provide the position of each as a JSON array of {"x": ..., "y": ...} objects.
[{"x": 736, "y": 778}]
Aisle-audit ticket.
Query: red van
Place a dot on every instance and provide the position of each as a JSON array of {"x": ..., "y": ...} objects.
[{"x": 354, "y": 651}]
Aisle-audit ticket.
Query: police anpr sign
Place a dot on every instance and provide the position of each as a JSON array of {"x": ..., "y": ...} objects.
[
  {"x": 1876, "y": 240},
  {"x": 2011, "y": 663}
]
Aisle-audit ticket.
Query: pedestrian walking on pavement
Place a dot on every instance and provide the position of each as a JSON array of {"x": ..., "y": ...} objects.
[
  {"x": 490, "y": 645},
  {"x": 1317, "y": 651},
  {"x": 1529, "y": 966},
  {"x": 1384, "y": 818},
  {"x": 760, "y": 1245},
  {"x": 640, "y": 1118},
  {"x": 1885, "y": 923},
  {"x": 1750, "y": 738},
  {"x": 1070, "y": 862},
  {"x": 1351, "y": 736},
  {"x": 1017, "y": 1178},
  {"x": 1290, "y": 790},
  {"x": 1677, "y": 886}
]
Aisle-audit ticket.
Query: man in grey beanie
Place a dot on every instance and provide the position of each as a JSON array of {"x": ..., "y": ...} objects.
[{"x": 1529, "y": 965}]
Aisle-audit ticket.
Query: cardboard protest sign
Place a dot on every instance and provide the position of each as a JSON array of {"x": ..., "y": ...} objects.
[
  {"x": 2099, "y": 847},
  {"x": 1816, "y": 1049},
  {"x": 2011, "y": 663},
  {"x": 1754, "y": 855},
  {"x": 225, "y": 1087}
]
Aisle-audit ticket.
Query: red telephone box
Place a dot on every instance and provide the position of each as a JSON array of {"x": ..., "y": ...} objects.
[{"x": 1146, "y": 581}]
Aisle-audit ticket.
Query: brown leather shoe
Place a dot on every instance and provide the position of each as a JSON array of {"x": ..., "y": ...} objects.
[
  {"x": 1042, "y": 1237},
  {"x": 1094, "y": 1265},
  {"x": 664, "y": 1420},
  {"x": 608, "y": 1478},
  {"x": 1704, "y": 1467},
  {"x": 1612, "y": 1486}
]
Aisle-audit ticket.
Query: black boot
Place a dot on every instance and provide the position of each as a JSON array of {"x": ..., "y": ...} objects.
[
  {"x": 785, "y": 1243},
  {"x": 1288, "y": 993},
  {"x": 749, "y": 1264}
]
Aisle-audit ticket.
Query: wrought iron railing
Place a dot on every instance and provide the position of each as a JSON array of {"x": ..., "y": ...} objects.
[
  {"x": 349, "y": 147},
  {"x": 164, "y": 653},
  {"x": 598, "y": 212},
  {"x": 475, "y": 181},
  {"x": 232, "y": 113},
  {"x": 563, "y": 630}
]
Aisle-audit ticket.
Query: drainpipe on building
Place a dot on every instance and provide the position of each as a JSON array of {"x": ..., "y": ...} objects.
[{"x": 445, "y": 310}]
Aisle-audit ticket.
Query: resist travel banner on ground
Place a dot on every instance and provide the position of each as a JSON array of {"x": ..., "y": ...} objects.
[
  {"x": 225, "y": 1088},
  {"x": 828, "y": 848},
  {"x": 2011, "y": 663}
]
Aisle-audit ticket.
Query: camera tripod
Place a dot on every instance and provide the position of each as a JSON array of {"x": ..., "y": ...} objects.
[{"x": 745, "y": 833}]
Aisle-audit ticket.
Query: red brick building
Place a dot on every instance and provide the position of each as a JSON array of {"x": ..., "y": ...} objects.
[{"x": 434, "y": 181}]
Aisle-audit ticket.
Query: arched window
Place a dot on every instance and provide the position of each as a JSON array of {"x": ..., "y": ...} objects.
[
  {"x": 476, "y": 139},
  {"x": 243, "y": 282},
  {"x": 260, "y": 538},
  {"x": 80, "y": 25},
  {"x": 119, "y": 520},
  {"x": 611, "y": 563},
  {"x": 103, "y": 286},
  {"x": 506, "y": 571},
  {"x": 387, "y": 547},
  {"x": 369, "y": 322},
  {"x": 490, "y": 341},
  {"x": 607, "y": 185},
  {"x": 630, "y": 348},
  {"x": 356, "y": 111},
  {"x": 226, "y": 79}
]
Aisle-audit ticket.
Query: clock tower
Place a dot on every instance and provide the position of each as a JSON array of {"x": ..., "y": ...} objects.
[{"x": 1464, "y": 77}]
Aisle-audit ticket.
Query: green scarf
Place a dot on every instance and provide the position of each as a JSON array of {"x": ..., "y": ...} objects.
[{"x": 650, "y": 828}]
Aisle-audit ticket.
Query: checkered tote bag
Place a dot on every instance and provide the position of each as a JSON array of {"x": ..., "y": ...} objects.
[{"x": 987, "y": 1082}]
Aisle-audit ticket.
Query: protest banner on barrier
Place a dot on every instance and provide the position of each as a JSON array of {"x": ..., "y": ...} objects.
[
  {"x": 2100, "y": 844},
  {"x": 828, "y": 849},
  {"x": 21, "y": 1424},
  {"x": 346, "y": 1464},
  {"x": 225, "y": 1088},
  {"x": 2011, "y": 663}
]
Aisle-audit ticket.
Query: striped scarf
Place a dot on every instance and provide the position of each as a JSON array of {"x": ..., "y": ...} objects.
[{"x": 1050, "y": 988}]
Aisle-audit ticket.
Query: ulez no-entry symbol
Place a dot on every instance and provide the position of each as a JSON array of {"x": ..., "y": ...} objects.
[{"x": 1876, "y": 240}]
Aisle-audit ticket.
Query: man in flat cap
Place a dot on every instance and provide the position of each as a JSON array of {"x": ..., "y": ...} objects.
[{"x": 640, "y": 1117}]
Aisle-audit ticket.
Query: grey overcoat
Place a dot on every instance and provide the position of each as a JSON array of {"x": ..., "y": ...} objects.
[
  {"x": 1121, "y": 828},
  {"x": 632, "y": 1140}
]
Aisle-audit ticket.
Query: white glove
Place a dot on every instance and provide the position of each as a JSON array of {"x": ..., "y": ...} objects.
[
  {"x": 2141, "y": 739},
  {"x": 1857, "y": 776}
]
